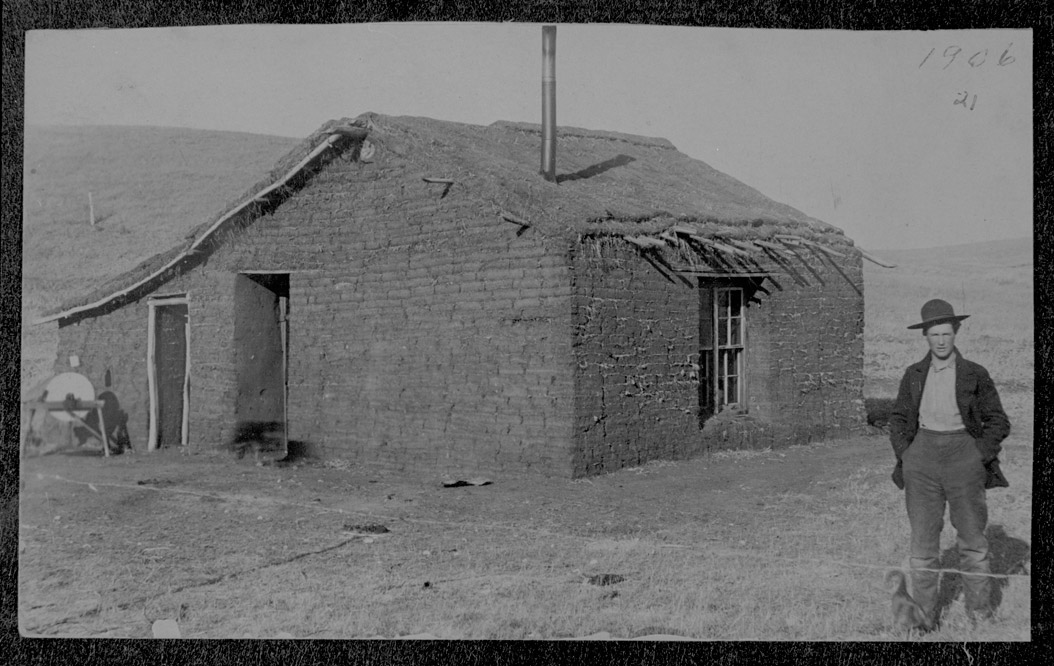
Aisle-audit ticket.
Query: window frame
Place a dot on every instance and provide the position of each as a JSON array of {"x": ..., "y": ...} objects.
[{"x": 713, "y": 373}]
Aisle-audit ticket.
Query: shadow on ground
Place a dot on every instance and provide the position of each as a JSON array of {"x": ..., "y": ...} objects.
[{"x": 1008, "y": 556}]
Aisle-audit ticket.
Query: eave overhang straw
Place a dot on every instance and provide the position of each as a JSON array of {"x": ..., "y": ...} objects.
[
  {"x": 783, "y": 244},
  {"x": 328, "y": 142}
]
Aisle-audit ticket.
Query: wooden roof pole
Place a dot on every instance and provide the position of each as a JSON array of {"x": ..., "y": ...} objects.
[
  {"x": 776, "y": 247},
  {"x": 785, "y": 264},
  {"x": 727, "y": 249},
  {"x": 805, "y": 263},
  {"x": 867, "y": 256}
]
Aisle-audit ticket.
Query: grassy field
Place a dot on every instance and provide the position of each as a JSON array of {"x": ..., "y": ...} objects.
[
  {"x": 991, "y": 282},
  {"x": 787, "y": 544},
  {"x": 149, "y": 187}
]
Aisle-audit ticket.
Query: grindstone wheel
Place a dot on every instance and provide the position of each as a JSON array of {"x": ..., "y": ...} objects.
[{"x": 66, "y": 384}]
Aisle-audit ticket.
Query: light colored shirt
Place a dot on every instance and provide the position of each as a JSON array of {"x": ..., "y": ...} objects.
[{"x": 939, "y": 410}]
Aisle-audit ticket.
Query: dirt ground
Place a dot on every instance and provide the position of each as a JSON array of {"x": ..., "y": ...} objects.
[{"x": 107, "y": 544}]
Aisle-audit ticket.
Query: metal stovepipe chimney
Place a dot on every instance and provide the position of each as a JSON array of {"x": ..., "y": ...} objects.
[{"x": 549, "y": 102}]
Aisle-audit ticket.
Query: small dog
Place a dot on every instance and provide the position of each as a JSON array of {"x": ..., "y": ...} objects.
[{"x": 907, "y": 613}]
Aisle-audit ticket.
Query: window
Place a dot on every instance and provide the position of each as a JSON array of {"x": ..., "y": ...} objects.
[{"x": 722, "y": 333}]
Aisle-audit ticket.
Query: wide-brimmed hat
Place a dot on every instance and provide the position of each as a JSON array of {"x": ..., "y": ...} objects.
[{"x": 937, "y": 312}]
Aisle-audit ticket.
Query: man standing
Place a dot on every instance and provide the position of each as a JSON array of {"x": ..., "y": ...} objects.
[{"x": 946, "y": 428}]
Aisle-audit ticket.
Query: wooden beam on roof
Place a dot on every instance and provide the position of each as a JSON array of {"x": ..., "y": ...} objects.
[
  {"x": 725, "y": 274},
  {"x": 873, "y": 260},
  {"x": 748, "y": 254},
  {"x": 731, "y": 262},
  {"x": 644, "y": 241},
  {"x": 509, "y": 217},
  {"x": 727, "y": 249},
  {"x": 785, "y": 264},
  {"x": 447, "y": 183},
  {"x": 808, "y": 267},
  {"x": 836, "y": 267},
  {"x": 651, "y": 259},
  {"x": 747, "y": 245},
  {"x": 776, "y": 247},
  {"x": 657, "y": 256},
  {"x": 775, "y": 283},
  {"x": 822, "y": 248},
  {"x": 724, "y": 247}
]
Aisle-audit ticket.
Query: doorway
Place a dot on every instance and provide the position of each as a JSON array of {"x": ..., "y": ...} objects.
[
  {"x": 261, "y": 343},
  {"x": 168, "y": 371}
]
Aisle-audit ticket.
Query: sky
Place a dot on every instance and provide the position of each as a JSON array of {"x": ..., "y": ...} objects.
[{"x": 904, "y": 140}]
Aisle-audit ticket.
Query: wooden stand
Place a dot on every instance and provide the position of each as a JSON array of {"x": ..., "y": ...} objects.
[{"x": 64, "y": 406}]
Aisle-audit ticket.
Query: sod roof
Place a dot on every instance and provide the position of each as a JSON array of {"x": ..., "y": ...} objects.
[{"x": 607, "y": 184}]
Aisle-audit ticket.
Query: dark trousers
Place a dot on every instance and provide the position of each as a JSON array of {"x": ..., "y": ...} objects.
[{"x": 944, "y": 468}]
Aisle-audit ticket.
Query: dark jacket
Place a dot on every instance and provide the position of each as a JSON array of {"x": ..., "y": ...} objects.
[{"x": 982, "y": 414}]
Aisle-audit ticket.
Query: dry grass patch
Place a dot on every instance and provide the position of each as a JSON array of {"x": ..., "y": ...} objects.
[{"x": 802, "y": 565}]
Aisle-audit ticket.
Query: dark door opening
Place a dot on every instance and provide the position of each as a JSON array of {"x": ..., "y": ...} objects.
[
  {"x": 170, "y": 371},
  {"x": 261, "y": 302}
]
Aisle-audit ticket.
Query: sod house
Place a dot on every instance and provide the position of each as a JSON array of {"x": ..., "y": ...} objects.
[{"x": 410, "y": 294}]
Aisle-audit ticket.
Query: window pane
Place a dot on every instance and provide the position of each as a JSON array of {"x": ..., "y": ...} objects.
[
  {"x": 734, "y": 336},
  {"x": 723, "y": 363},
  {"x": 706, "y": 383},
  {"x": 729, "y": 369},
  {"x": 735, "y": 301}
]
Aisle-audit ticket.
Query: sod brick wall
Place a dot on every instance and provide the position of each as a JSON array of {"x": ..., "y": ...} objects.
[
  {"x": 805, "y": 357},
  {"x": 424, "y": 333},
  {"x": 636, "y": 342},
  {"x": 637, "y": 347},
  {"x": 118, "y": 341}
]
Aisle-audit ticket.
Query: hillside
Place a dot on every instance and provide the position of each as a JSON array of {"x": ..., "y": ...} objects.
[{"x": 149, "y": 186}]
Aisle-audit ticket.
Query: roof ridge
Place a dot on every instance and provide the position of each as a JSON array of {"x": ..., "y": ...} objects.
[{"x": 581, "y": 132}]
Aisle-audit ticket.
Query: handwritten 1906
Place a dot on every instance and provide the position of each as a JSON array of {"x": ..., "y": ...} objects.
[{"x": 975, "y": 60}]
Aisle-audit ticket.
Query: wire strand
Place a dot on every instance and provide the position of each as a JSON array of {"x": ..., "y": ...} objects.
[{"x": 708, "y": 549}]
